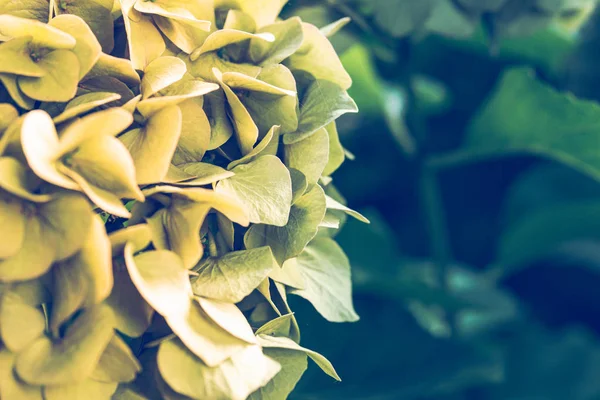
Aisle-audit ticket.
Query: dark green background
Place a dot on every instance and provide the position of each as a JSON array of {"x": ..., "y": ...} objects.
[{"x": 458, "y": 322}]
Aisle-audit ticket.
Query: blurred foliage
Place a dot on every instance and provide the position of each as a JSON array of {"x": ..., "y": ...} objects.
[{"x": 477, "y": 155}]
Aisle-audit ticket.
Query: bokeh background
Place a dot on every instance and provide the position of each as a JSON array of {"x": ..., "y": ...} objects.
[{"x": 476, "y": 279}]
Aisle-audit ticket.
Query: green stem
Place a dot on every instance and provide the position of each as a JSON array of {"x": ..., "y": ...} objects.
[{"x": 433, "y": 206}]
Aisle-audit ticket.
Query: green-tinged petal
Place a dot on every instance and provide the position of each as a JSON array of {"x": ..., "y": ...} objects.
[
  {"x": 117, "y": 363},
  {"x": 246, "y": 131},
  {"x": 12, "y": 87},
  {"x": 84, "y": 103},
  {"x": 234, "y": 379},
  {"x": 16, "y": 58},
  {"x": 8, "y": 114},
  {"x": 115, "y": 67},
  {"x": 41, "y": 147},
  {"x": 333, "y": 204},
  {"x": 110, "y": 85},
  {"x": 204, "y": 338},
  {"x": 20, "y": 323},
  {"x": 286, "y": 343},
  {"x": 203, "y": 174},
  {"x": 59, "y": 83},
  {"x": 228, "y": 317},
  {"x": 220, "y": 126},
  {"x": 161, "y": 73},
  {"x": 152, "y": 147},
  {"x": 233, "y": 276},
  {"x": 12, "y": 387},
  {"x": 176, "y": 94},
  {"x": 226, "y": 37},
  {"x": 32, "y": 260},
  {"x": 67, "y": 220},
  {"x": 195, "y": 133},
  {"x": 322, "y": 103},
  {"x": 144, "y": 39},
  {"x": 204, "y": 64},
  {"x": 268, "y": 109},
  {"x": 88, "y": 389},
  {"x": 236, "y": 80},
  {"x": 334, "y": 27},
  {"x": 42, "y": 35},
  {"x": 293, "y": 364},
  {"x": 31, "y": 9},
  {"x": 12, "y": 227},
  {"x": 262, "y": 11},
  {"x": 102, "y": 123},
  {"x": 97, "y": 14},
  {"x": 132, "y": 313},
  {"x": 88, "y": 48},
  {"x": 309, "y": 155},
  {"x": 258, "y": 150},
  {"x": 104, "y": 162},
  {"x": 72, "y": 358},
  {"x": 288, "y": 38},
  {"x": 84, "y": 279},
  {"x": 104, "y": 199},
  {"x": 179, "y": 24},
  {"x": 336, "y": 151},
  {"x": 289, "y": 241},
  {"x": 180, "y": 225},
  {"x": 289, "y": 274},
  {"x": 299, "y": 184},
  {"x": 161, "y": 279},
  {"x": 264, "y": 187},
  {"x": 318, "y": 57},
  {"x": 326, "y": 272}
]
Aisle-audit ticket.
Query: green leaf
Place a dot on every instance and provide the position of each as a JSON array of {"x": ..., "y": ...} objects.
[
  {"x": 263, "y": 187},
  {"x": 290, "y": 240},
  {"x": 564, "y": 129},
  {"x": 233, "y": 276},
  {"x": 309, "y": 155},
  {"x": 400, "y": 17},
  {"x": 235, "y": 379},
  {"x": 74, "y": 357},
  {"x": 293, "y": 364},
  {"x": 529, "y": 237},
  {"x": 322, "y": 103},
  {"x": 327, "y": 284},
  {"x": 286, "y": 343}
]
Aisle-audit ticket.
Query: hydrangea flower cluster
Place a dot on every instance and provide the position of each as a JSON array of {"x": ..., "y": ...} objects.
[{"x": 165, "y": 185}]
